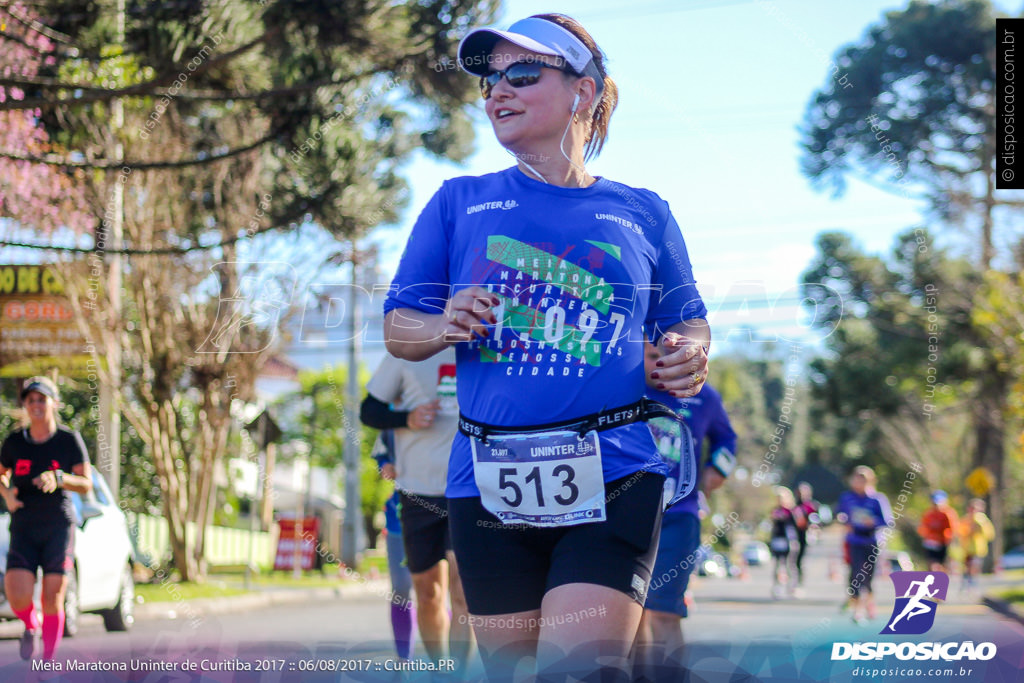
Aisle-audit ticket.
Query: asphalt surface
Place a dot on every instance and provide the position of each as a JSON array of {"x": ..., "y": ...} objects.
[{"x": 736, "y": 632}]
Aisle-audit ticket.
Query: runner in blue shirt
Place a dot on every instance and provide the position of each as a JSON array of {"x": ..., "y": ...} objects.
[
  {"x": 865, "y": 512},
  {"x": 705, "y": 415},
  {"x": 545, "y": 279}
]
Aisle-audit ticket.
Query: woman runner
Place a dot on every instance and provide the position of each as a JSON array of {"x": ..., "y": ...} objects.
[
  {"x": 785, "y": 518},
  {"x": 545, "y": 279},
  {"x": 865, "y": 512},
  {"x": 39, "y": 465}
]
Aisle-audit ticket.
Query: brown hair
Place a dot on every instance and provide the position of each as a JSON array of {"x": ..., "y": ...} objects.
[{"x": 598, "y": 132}]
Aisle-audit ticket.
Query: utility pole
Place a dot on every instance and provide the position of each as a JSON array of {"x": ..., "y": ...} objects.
[
  {"x": 350, "y": 537},
  {"x": 109, "y": 463},
  {"x": 307, "y": 504}
]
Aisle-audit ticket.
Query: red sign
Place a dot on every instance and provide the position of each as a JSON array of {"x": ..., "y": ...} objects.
[{"x": 305, "y": 532}]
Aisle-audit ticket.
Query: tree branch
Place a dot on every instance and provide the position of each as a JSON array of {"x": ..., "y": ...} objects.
[
  {"x": 165, "y": 251},
  {"x": 38, "y": 27},
  {"x": 148, "y": 165},
  {"x": 94, "y": 94}
]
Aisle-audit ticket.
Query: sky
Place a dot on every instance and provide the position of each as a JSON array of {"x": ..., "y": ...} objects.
[{"x": 711, "y": 96}]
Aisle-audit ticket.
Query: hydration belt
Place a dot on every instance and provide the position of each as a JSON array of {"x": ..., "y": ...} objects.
[{"x": 639, "y": 411}]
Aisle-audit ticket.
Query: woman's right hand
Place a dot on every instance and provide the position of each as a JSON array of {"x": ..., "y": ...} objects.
[
  {"x": 11, "y": 498},
  {"x": 422, "y": 417},
  {"x": 469, "y": 312}
]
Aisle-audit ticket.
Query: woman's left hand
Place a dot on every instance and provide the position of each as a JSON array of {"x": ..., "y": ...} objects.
[
  {"x": 46, "y": 482},
  {"x": 683, "y": 366}
]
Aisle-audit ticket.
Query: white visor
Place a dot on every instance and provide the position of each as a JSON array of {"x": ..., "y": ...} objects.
[{"x": 537, "y": 35}]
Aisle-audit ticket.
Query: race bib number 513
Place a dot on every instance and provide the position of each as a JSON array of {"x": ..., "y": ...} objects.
[{"x": 543, "y": 479}]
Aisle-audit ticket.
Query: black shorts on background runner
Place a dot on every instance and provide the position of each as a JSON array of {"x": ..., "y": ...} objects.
[
  {"x": 51, "y": 547},
  {"x": 424, "y": 530},
  {"x": 509, "y": 568},
  {"x": 937, "y": 555}
]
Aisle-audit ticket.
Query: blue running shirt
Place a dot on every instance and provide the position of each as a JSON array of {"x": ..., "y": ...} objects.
[{"x": 581, "y": 273}]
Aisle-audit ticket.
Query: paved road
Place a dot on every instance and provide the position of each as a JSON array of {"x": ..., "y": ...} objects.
[{"x": 736, "y": 632}]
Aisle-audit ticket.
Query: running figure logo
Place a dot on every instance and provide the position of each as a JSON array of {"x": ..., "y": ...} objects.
[{"x": 917, "y": 595}]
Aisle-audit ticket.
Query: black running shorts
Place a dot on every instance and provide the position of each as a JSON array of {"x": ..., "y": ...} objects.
[
  {"x": 424, "y": 530},
  {"x": 509, "y": 568},
  {"x": 50, "y": 546}
]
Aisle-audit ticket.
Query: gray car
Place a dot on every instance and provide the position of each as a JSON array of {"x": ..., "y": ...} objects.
[{"x": 102, "y": 581}]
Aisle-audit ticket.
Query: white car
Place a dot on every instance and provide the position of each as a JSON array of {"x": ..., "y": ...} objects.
[
  {"x": 756, "y": 553},
  {"x": 1014, "y": 558},
  {"x": 102, "y": 579}
]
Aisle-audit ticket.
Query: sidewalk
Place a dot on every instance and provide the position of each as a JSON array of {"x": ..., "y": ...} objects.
[
  {"x": 265, "y": 597},
  {"x": 996, "y": 583}
]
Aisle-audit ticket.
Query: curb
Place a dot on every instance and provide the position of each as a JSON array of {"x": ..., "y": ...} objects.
[
  {"x": 177, "y": 609},
  {"x": 1004, "y": 608}
]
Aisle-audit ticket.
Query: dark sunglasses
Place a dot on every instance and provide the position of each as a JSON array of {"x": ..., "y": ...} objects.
[{"x": 519, "y": 75}]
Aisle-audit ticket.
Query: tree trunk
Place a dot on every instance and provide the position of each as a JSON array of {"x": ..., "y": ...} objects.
[
  {"x": 174, "y": 500},
  {"x": 990, "y": 451},
  {"x": 990, "y": 407}
]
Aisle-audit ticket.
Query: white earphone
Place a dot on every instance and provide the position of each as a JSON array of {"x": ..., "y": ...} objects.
[{"x": 575, "y": 104}]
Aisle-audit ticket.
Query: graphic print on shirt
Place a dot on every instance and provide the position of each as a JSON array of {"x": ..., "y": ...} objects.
[
  {"x": 862, "y": 517},
  {"x": 446, "y": 395},
  {"x": 667, "y": 434},
  {"x": 554, "y": 314},
  {"x": 668, "y": 439}
]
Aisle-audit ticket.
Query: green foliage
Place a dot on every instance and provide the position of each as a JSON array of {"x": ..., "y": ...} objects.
[
  {"x": 916, "y": 115},
  {"x": 317, "y": 415},
  {"x": 239, "y": 117},
  {"x": 926, "y": 76},
  {"x": 890, "y": 391},
  {"x": 759, "y": 402}
]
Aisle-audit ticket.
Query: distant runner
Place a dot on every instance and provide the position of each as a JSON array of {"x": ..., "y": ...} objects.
[
  {"x": 417, "y": 401},
  {"x": 39, "y": 464},
  {"x": 865, "y": 512}
]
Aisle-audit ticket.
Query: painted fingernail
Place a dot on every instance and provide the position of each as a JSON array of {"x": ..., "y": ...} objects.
[
  {"x": 660, "y": 363},
  {"x": 660, "y": 385},
  {"x": 654, "y": 375}
]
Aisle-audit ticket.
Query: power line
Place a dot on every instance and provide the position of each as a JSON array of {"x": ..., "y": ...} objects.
[
  {"x": 203, "y": 158},
  {"x": 167, "y": 251}
]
